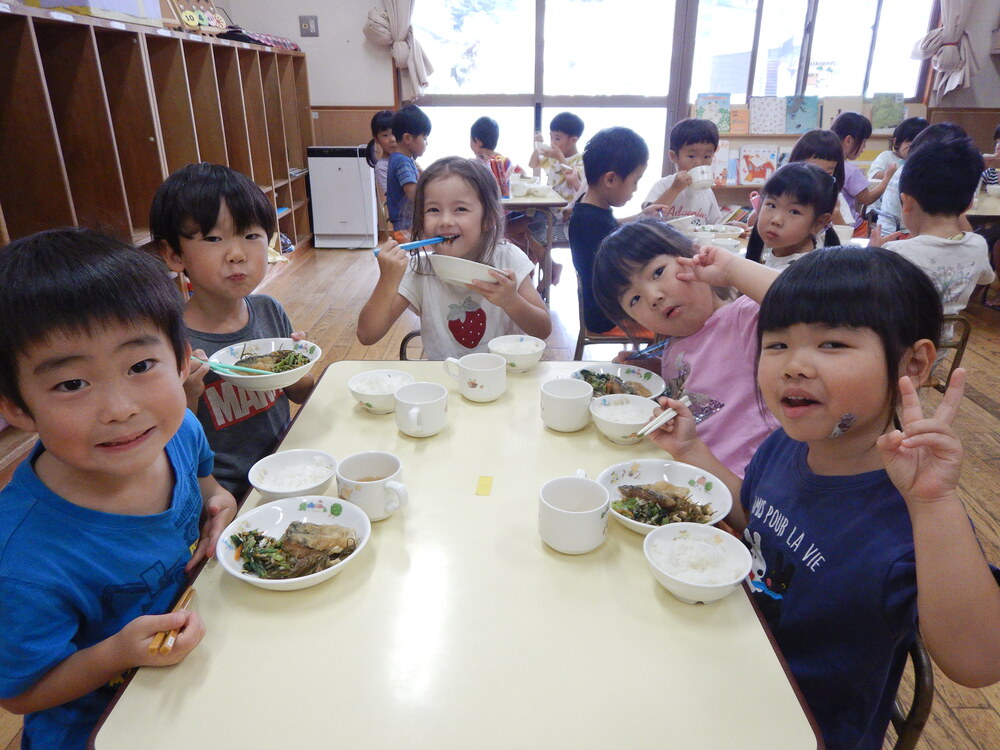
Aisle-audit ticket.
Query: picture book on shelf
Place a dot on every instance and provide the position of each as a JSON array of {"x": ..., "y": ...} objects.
[
  {"x": 739, "y": 120},
  {"x": 757, "y": 162},
  {"x": 767, "y": 115},
  {"x": 801, "y": 113},
  {"x": 720, "y": 164},
  {"x": 834, "y": 105},
  {"x": 888, "y": 111},
  {"x": 714, "y": 108}
]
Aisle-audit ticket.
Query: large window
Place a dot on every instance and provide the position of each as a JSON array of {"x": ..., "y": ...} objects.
[{"x": 623, "y": 62}]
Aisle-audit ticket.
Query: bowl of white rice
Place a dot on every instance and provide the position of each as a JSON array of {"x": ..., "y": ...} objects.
[
  {"x": 303, "y": 471},
  {"x": 375, "y": 389},
  {"x": 621, "y": 415},
  {"x": 696, "y": 563},
  {"x": 521, "y": 352}
]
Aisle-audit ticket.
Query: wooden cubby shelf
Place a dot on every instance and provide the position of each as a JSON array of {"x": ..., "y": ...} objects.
[{"x": 98, "y": 113}]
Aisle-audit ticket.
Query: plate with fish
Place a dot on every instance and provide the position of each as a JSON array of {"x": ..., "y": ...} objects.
[
  {"x": 650, "y": 492},
  {"x": 285, "y": 360},
  {"x": 293, "y": 543},
  {"x": 609, "y": 378}
]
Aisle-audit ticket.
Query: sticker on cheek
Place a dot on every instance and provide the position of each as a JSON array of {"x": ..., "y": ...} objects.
[{"x": 845, "y": 423}]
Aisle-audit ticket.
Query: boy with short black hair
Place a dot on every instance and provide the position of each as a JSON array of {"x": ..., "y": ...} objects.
[
  {"x": 99, "y": 527},
  {"x": 213, "y": 223},
  {"x": 614, "y": 162},
  {"x": 410, "y": 126},
  {"x": 693, "y": 143},
  {"x": 484, "y": 136},
  {"x": 385, "y": 143},
  {"x": 933, "y": 201}
]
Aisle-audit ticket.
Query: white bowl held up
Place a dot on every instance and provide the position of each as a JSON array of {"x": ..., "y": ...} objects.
[
  {"x": 522, "y": 352},
  {"x": 273, "y": 518},
  {"x": 620, "y": 416},
  {"x": 375, "y": 390},
  {"x": 459, "y": 271},
  {"x": 704, "y": 487},
  {"x": 683, "y": 557},
  {"x": 303, "y": 471},
  {"x": 232, "y": 354}
]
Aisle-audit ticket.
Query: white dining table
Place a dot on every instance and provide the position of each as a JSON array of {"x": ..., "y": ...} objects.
[
  {"x": 457, "y": 627},
  {"x": 530, "y": 204}
]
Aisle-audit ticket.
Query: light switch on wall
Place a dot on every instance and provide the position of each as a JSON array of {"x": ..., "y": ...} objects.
[{"x": 308, "y": 26}]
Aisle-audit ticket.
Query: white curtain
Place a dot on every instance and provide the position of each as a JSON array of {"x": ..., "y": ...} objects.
[
  {"x": 949, "y": 48},
  {"x": 390, "y": 26}
]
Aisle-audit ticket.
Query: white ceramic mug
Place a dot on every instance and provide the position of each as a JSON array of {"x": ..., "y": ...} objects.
[
  {"x": 702, "y": 238},
  {"x": 421, "y": 409},
  {"x": 728, "y": 243},
  {"x": 701, "y": 177},
  {"x": 573, "y": 514},
  {"x": 566, "y": 404},
  {"x": 371, "y": 480},
  {"x": 480, "y": 376}
]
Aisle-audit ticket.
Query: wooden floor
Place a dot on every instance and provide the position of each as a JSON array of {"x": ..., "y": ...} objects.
[{"x": 323, "y": 291}]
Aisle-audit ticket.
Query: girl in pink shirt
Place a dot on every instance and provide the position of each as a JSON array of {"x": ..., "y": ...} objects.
[{"x": 638, "y": 282}]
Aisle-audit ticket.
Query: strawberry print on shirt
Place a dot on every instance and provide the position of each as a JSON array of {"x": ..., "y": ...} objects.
[{"x": 467, "y": 323}]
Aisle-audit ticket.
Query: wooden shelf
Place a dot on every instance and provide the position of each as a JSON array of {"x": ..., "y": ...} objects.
[{"x": 95, "y": 114}]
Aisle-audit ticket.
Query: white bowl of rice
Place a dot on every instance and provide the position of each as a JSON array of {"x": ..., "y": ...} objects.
[
  {"x": 521, "y": 352},
  {"x": 303, "y": 471},
  {"x": 375, "y": 390},
  {"x": 696, "y": 563},
  {"x": 621, "y": 415}
]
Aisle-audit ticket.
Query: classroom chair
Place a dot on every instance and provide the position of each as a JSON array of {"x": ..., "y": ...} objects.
[
  {"x": 910, "y": 724},
  {"x": 404, "y": 345},
  {"x": 585, "y": 337},
  {"x": 954, "y": 337}
]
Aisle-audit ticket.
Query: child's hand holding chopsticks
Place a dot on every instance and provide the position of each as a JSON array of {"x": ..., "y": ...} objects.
[{"x": 160, "y": 640}]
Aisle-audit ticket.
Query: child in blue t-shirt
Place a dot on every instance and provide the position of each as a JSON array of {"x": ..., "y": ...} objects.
[
  {"x": 410, "y": 126},
  {"x": 99, "y": 527},
  {"x": 213, "y": 223},
  {"x": 855, "y": 527}
]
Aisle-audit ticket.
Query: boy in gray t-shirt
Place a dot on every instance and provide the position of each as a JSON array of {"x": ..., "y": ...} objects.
[{"x": 213, "y": 224}]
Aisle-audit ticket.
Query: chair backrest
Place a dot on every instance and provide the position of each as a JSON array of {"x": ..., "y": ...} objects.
[
  {"x": 910, "y": 723},
  {"x": 405, "y": 343},
  {"x": 585, "y": 337},
  {"x": 955, "y": 337}
]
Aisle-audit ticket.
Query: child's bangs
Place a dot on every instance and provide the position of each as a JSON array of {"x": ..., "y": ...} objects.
[
  {"x": 810, "y": 291},
  {"x": 247, "y": 204}
]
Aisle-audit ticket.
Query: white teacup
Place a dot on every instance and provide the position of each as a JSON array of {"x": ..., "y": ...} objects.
[
  {"x": 421, "y": 409},
  {"x": 702, "y": 238},
  {"x": 566, "y": 404},
  {"x": 701, "y": 177},
  {"x": 573, "y": 514},
  {"x": 371, "y": 480},
  {"x": 480, "y": 376},
  {"x": 844, "y": 232}
]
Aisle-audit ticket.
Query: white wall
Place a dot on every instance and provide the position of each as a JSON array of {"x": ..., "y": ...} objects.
[
  {"x": 985, "y": 89},
  {"x": 345, "y": 69}
]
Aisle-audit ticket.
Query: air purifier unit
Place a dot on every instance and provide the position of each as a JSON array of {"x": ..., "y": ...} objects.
[{"x": 342, "y": 197}]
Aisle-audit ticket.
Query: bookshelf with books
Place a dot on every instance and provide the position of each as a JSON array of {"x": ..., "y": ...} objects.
[
  {"x": 101, "y": 111},
  {"x": 774, "y": 124}
]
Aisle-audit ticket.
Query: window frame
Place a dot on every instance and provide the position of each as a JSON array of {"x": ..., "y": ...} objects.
[{"x": 677, "y": 99}]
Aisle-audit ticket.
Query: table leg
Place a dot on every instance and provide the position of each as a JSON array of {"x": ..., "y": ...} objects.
[{"x": 545, "y": 268}]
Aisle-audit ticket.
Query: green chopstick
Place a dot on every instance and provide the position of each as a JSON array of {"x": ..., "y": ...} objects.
[{"x": 237, "y": 368}]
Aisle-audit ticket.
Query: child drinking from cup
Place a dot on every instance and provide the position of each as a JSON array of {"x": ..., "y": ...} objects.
[
  {"x": 856, "y": 526},
  {"x": 693, "y": 143},
  {"x": 639, "y": 282},
  {"x": 459, "y": 199},
  {"x": 796, "y": 204}
]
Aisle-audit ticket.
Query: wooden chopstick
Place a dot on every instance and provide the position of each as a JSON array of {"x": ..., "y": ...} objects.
[{"x": 163, "y": 642}]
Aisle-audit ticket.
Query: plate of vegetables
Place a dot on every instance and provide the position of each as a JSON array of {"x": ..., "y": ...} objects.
[
  {"x": 285, "y": 360},
  {"x": 650, "y": 492},
  {"x": 293, "y": 543},
  {"x": 608, "y": 379}
]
